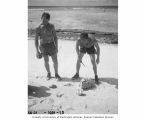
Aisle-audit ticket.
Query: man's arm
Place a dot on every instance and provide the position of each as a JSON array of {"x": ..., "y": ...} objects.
[
  {"x": 77, "y": 47},
  {"x": 36, "y": 41},
  {"x": 55, "y": 37},
  {"x": 97, "y": 51}
]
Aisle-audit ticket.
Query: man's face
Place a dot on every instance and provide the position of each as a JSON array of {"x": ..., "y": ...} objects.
[{"x": 44, "y": 19}]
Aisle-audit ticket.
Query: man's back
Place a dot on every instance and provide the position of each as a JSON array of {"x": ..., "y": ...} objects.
[{"x": 87, "y": 43}]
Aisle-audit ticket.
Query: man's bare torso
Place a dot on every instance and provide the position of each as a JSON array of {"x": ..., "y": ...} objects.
[{"x": 45, "y": 33}]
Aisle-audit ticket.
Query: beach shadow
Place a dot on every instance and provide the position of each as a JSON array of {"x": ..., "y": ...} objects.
[
  {"x": 111, "y": 81},
  {"x": 91, "y": 88},
  {"x": 65, "y": 79},
  {"x": 38, "y": 91}
]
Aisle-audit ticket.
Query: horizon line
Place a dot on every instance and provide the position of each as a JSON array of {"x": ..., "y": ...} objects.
[{"x": 71, "y": 5}]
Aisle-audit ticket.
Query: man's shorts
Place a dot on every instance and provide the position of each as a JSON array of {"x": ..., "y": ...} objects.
[
  {"x": 48, "y": 49},
  {"x": 90, "y": 50}
]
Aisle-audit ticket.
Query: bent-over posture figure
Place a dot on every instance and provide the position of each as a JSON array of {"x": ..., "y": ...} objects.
[{"x": 87, "y": 45}]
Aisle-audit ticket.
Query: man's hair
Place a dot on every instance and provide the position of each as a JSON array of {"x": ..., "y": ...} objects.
[
  {"x": 47, "y": 15},
  {"x": 84, "y": 35}
]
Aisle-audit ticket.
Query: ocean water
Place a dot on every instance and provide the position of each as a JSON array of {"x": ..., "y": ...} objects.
[{"x": 104, "y": 19}]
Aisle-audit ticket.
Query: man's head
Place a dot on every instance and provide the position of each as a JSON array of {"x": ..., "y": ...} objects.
[
  {"x": 92, "y": 36},
  {"x": 45, "y": 17},
  {"x": 84, "y": 35}
]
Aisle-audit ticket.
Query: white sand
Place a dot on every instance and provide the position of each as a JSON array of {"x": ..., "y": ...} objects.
[{"x": 101, "y": 100}]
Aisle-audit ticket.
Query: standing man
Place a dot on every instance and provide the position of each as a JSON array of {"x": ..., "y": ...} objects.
[
  {"x": 83, "y": 45},
  {"x": 48, "y": 45}
]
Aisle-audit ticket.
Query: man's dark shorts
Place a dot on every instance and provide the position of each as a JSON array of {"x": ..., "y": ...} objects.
[
  {"x": 48, "y": 49},
  {"x": 90, "y": 50}
]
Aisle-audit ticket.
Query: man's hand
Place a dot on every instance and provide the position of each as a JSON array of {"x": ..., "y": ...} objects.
[
  {"x": 97, "y": 60},
  {"x": 78, "y": 53},
  {"x": 56, "y": 50},
  {"x": 38, "y": 55}
]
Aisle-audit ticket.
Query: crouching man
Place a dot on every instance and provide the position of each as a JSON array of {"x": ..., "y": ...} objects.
[{"x": 90, "y": 46}]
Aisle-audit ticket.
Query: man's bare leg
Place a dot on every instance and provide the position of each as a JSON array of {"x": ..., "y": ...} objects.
[
  {"x": 46, "y": 64},
  {"x": 78, "y": 65},
  {"x": 93, "y": 61},
  {"x": 55, "y": 63},
  {"x": 92, "y": 57}
]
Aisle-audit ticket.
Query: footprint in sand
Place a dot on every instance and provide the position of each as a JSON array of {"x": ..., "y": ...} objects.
[
  {"x": 32, "y": 103},
  {"x": 37, "y": 77},
  {"x": 51, "y": 101},
  {"x": 68, "y": 84},
  {"x": 42, "y": 100},
  {"x": 69, "y": 109},
  {"x": 41, "y": 77},
  {"x": 86, "y": 106},
  {"x": 53, "y": 86},
  {"x": 59, "y": 95}
]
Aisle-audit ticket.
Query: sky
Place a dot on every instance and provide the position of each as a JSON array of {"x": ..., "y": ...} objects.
[{"x": 73, "y": 2}]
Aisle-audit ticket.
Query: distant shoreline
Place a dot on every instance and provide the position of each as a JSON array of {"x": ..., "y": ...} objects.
[
  {"x": 31, "y": 7},
  {"x": 73, "y": 34}
]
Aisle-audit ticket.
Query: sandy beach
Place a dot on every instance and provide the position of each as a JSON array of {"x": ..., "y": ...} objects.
[{"x": 47, "y": 95}]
